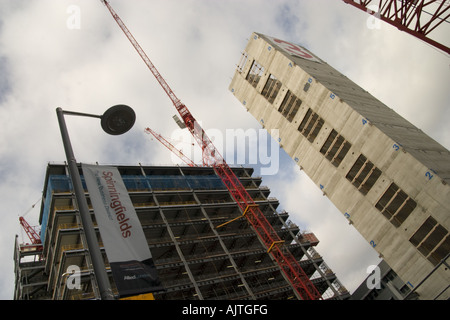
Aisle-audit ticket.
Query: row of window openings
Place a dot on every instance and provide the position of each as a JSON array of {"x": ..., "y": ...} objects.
[
  {"x": 395, "y": 204},
  {"x": 334, "y": 149},
  {"x": 432, "y": 240},
  {"x": 290, "y": 104}
]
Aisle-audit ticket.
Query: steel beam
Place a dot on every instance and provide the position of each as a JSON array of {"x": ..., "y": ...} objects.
[{"x": 416, "y": 17}]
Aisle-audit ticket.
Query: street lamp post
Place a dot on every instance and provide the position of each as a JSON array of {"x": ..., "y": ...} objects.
[{"x": 116, "y": 120}]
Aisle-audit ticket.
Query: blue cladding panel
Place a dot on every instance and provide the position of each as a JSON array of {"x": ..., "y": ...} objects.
[
  {"x": 62, "y": 183},
  {"x": 56, "y": 183}
]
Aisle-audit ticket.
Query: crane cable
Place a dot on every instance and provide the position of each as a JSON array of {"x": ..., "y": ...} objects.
[
  {"x": 32, "y": 207},
  {"x": 26, "y": 212}
]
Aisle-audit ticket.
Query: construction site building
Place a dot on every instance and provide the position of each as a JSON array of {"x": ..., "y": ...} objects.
[
  {"x": 389, "y": 286},
  {"x": 180, "y": 210},
  {"x": 387, "y": 177}
]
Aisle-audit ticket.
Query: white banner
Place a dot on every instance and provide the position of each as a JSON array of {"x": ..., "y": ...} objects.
[{"x": 121, "y": 231}]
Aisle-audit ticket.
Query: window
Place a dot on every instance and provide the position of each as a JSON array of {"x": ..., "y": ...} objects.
[
  {"x": 405, "y": 289},
  {"x": 290, "y": 106},
  {"x": 271, "y": 88},
  {"x": 363, "y": 174},
  {"x": 390, "y": 276},
  {"x": 395, "y": 205},
  {"x": 335, "y": 148},
  {"x": 432, "y": 240},
  {"x": 311, "y": 125},
  {"x": 243, "y": 62},
  {"x": 441, "y": 251},
  {"x": 255, "y": 73},
  {"x": 422, "y": 232}
]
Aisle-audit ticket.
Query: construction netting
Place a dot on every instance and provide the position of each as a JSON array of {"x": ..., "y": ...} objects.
[
  {"x": 173, "y": 182},
  {"x": 62, "y": 183},
  {"x": 55, "y": 184}
]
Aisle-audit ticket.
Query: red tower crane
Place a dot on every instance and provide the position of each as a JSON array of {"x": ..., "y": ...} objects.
[
  {"x": 212, "y": 157},
  {"x": 416, "y": 17},
  {"x": 31, "y": 233},
  {"x": 29, "y": 230}
]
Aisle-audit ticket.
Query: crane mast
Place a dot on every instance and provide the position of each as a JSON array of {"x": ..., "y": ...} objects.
[{"x": 211, "y": 157}]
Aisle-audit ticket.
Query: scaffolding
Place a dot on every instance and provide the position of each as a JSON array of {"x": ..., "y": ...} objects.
[{"x": 180, "y": 209}]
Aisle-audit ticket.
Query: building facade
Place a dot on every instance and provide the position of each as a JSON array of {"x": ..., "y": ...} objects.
[
  {"x": 386, "y": 176},
  {"x": 382, "y": 284},
  {"x": 181, "y": 210}
]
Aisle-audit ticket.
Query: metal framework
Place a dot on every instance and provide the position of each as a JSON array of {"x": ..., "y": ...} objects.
[
  {"x": 416, "y": 17},
  {"x": 211, "y": 157},
  {"x": 31, "y": 233}
]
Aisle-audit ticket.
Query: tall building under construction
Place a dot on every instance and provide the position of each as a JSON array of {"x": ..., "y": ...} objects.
[
  {"x": 199, "y": 248},
  {"x": 387, "y": 177}
]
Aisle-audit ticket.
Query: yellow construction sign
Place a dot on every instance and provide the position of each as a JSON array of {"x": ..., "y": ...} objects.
[{"x": 145, "y": 296}]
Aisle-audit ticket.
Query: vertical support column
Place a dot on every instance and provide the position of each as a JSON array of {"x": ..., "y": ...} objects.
[
  {"x": 175, "y": 242},
  {"x": 225, "y": 249},
  {"x": 316, "y": 266},
  {"x": 271, "y": 257},
  {"x": 179, "y": 251},
  {"x": 142, "y": 169},
  {"x": 86, "y": 254}
]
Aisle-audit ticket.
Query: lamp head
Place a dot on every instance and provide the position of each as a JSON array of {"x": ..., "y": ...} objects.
[{"x": 118, "y": 119}]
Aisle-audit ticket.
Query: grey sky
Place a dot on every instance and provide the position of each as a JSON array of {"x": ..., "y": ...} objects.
[{"x": 47, "y": 63}]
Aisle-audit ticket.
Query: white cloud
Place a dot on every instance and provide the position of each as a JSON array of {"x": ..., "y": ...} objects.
[{"x": 195, "y": 44}]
